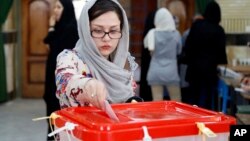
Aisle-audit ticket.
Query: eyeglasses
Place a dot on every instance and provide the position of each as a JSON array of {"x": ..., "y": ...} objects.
[{"x": 113, "y": 34}]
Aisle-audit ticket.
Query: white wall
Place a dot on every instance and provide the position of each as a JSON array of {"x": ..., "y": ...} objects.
[
  {"x": 9, "y": 53},
  {"x": 235, "y": 15}
]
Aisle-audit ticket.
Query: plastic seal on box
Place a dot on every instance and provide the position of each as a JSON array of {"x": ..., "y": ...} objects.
[
  {"x": 52, "y": 116},
  {"x": 68, "y": 126},
  {"x": 205, "y": 131},
  {"x": 146, "y": 135}
]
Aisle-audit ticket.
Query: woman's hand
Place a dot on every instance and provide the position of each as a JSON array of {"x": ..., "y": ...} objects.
[
  {"x": 245, "y": 84},
  {"x": 96, "y": 92},
  {"x": 52, "y": 20}
]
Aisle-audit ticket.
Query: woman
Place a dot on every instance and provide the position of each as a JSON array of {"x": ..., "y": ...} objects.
[
  {"x": 62, "y": 34},
  {"x": 145, "y": 89},
  {"x": 205, "y": 50},
  {"x": 164, "y": 42},
  {"x": 100, "y": 67}
]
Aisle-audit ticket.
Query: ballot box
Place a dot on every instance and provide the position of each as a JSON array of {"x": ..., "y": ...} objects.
[{"x": 145, "y": 121}]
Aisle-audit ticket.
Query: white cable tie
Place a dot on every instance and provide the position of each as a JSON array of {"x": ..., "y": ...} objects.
[
  {"x": 40, "y": 118},
  {"x": 57, "y": 131},
  {"x": 68, "y": 126},
  {"x": 146, "y": 135},
  {"x": 239, "y": 90},
  {"x": 205, "y": 130}
]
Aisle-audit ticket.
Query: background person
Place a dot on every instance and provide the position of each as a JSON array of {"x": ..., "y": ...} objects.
[
  {"x": 62, "y": 35},
  {"x": 182, "y": 63},
  {"x": 145, "y": 89},
  {"x": 205, "y": 50},
  {"x": 164, "y": 43}
]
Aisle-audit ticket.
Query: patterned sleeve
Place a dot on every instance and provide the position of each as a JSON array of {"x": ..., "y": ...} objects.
[{"x": 71, "y": 76}]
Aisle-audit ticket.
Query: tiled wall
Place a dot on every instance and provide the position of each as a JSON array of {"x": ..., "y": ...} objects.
[
  {"x": 235, "y": 15},
  {"x": 236, "y": 23}
]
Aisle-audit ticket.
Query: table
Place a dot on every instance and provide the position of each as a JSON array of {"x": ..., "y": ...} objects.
[{"x": 243, "y": 118}]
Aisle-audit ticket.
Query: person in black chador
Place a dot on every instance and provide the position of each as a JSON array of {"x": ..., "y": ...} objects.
[
  {"x": 205, "y": 50},
  {"x": 62, "y": 34},
  {"x": 145, "y": 89}
]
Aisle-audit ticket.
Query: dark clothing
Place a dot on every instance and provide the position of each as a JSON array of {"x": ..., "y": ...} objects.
[
  {"x": 63, "y": 37},
  {"x": 145, "y": 89},
  {"x": 205, "y": 49}
]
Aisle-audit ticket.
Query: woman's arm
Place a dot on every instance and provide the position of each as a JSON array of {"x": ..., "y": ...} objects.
[
  {"x": 75, "y": 85},
  {"x": 70, "y": 83}
]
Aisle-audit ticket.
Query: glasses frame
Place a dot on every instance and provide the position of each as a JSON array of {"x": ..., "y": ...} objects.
[{"x": 105, "y": 34}]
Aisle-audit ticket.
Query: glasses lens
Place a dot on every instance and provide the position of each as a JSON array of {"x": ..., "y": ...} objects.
[
  {"x": 115, "y": 34},
  {"x": 101, "y": 34},
  {"x": 97, "y": 33}
]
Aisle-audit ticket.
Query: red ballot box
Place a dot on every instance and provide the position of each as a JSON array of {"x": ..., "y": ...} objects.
[{"x": 163, "y": 120}]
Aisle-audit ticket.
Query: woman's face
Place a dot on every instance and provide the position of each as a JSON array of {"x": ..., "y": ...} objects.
[
  {"x": 58, "y": 9},
  {"x": 107, "y": 22}
]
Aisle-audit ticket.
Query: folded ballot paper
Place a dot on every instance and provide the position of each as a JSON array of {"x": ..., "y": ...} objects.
[{"x": 110, "y": 112}]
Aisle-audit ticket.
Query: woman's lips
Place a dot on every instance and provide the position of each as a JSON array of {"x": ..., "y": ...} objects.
[{"x": 105, "y": 47}]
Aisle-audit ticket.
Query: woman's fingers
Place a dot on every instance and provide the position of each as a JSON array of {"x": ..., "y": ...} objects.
[
  {"x": 102, "y": 94},
  {"x": 97, "y": 93},
  {"x": 52, "y": 20},
  {"x": 245, "y": 83},
  {"x": 246, "y": 87},
  {"x": 245, "y": 80}
]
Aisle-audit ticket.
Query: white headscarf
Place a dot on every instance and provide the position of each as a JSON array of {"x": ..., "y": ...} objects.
[
  {"x": 112, "y": 74},
  {"x": 163, "y": 21}
]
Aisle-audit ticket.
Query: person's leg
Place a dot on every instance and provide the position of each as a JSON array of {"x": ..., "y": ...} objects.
[
  {"x": 206, "y": 95},
  {"x": 186, "y": 96},
  {"x": 174, "y": 92},
  {"x": 157, "y": 92},
  {"x": 194, "y": 93}
]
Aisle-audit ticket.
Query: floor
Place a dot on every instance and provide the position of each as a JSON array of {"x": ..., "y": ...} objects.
[{"x": 16, "y": 120}]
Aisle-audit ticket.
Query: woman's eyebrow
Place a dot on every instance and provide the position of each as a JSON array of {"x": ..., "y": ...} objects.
[{"x": 113, "y": 26}]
